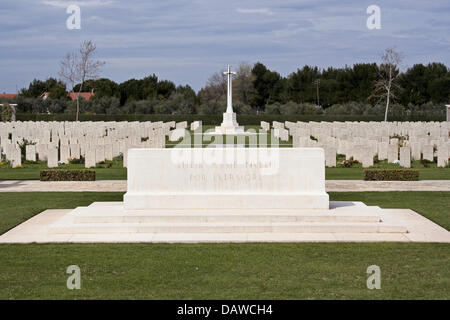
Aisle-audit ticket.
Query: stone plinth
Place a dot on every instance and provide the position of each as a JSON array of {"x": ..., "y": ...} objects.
[
  {"x": 226, "y": 178},
  {"x": 229, "y": 125}
]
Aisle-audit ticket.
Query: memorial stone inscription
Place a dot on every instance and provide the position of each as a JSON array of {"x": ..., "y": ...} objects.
[{"x": 242, "y": 178}]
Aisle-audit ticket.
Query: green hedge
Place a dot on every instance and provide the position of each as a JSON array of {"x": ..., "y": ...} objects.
[
  {"x": 67, "y": 175},
  {"x": 391, "y": 175},
  {"x": 215, "y": 119}
]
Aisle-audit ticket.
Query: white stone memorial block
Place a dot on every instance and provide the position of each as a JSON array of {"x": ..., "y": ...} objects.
[
  {"x": 64, "y": 153},
  {"x": 383, "y": 150},
  {"x": 181, "y": 125},
  {"x": 405, "y": 157},
  {"x": 393, "y": 141},
  {"x": 281, "y": 134},
  {"x": 330, "y": 157},
  {"x": 177, "y": 134},
  {"x": 116, "y": 149},
  {"x": 108, "y": 152},
  {"x": 196, "y": 125},
  {"x": 125, "y": 158},
  {"x": 75, "y": 151},
  {"x": 16, "y": 157},
  {"x": 366, "y": 157},
  {"x": 428, "y": 152},
  {"x": 99, "y": 153},
  {"x": 415, "y": 151},
  {"x": 392, "y": 153},
  {"x": 442, "y": 156},
  {"x": 30, "y": 152},
  {"x": 52, "y": 157},
  {"x": 41, "y": 150},
  {"x": 277, "y": 125},
  {"x": 89, "y": 160},
  {"x": 265, "y": 125},
  {"x": 225, "y": 178}
]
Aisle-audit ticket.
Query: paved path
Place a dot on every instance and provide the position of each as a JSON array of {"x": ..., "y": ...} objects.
[{"x": 121, "y": 186}]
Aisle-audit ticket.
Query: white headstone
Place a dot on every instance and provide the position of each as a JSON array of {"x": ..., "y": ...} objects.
[
  {"x": 52, "y": 157},
  {"x": 405, "y": 157},
  {"x": 30, "y": 152}
]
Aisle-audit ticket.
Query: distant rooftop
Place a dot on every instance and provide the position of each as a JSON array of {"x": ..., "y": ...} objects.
[{"x": 8, "y": 95}]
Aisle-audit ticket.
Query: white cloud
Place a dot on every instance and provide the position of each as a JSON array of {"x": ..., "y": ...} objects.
[
  {"x": 64, "y": 3},
  {"x": 263, "y": 11}
]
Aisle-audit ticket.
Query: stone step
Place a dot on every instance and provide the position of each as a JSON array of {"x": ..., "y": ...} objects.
[
  {"x": 212, "y": 218},
  {"x": 235, "y": 237},
  {"x": 298, "y": 227}
]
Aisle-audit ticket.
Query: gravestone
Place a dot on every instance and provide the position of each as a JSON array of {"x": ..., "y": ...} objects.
[
  {"x": 64, "y": 153},
  {"x": 30, "y": 152},
  {"x": 442, "y": 156},
  {"x": 181, "y": 125},
  {"x": 366, "y": 155},
  {"x": 383, "y": 150},
  {"x": 392, "y": 153},
  {"x": 52, "y": 157},
  {"x": 405, "y": 157},
  {"x": 281, "y": 134},
  {"x": 108, "y": 152},
  {"x": 415, "y": 151},
  {"x": 75, "y": 151},
  {"x": 41, "y": 150},
  {"x": 16, "y": 157},
  {"x": 330, "y": 157},
  {"x": 196, "y": 125},
  {"x": 265, "y": 125},
  {"x": 99, "y": 153},
  {"x": 89, "y": 160},
  {"x": 428, "y": 153}
]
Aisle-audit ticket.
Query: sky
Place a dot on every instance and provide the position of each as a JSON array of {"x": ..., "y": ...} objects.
[{"x": 186, "y": 41}]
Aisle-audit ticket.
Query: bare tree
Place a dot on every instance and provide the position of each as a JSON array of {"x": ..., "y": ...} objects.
[
  {"x": 386, "y": 86},
  {"x": 80, "y": 67},
  {"x": 243, "y": 83},
  {"x": 215, "y": 89},
  {"x": 68, "y": 70}
]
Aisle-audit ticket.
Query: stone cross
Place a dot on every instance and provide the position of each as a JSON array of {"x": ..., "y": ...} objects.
[{"x": 229, "y": 74}]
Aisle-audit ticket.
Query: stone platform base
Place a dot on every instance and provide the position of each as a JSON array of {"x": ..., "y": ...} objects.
[{"x": 343, "y": 222}]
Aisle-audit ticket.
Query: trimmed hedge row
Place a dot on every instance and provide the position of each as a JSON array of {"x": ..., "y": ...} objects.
[
  {"x": 67, "y": 175},
  {"x": 391, "y": 175},
  {"x": 216, "y": 119}
]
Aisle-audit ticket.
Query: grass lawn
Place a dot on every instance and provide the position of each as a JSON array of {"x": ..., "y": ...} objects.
[{"x": 224, "y": 271}]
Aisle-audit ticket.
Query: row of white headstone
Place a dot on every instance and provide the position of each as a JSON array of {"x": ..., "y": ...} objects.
[
  {"x": 396, "y": 142},
  {"x": 59, "y": 142}
]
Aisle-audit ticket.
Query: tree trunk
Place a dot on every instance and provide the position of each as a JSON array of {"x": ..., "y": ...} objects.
[
  {"x": 387, "y": 106},
  {"x": 78, "y": 100},
  {"x": 78, "y": 108}
]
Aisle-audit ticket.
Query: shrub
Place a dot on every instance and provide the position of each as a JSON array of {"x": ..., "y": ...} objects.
[
  {"x": 67, "y": 175},
  {"x": 391, "y": 175},
  {"x": 426, "y": 163},
  {"x": 76, "y": 161},
  {"x": 7, "y": 112}
]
